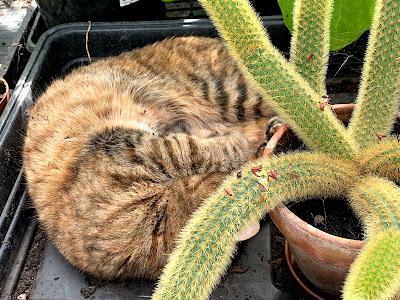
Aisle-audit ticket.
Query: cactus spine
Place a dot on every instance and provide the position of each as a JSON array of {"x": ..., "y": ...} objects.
[
  {"x": 291, "y": 96},
  {"x": 377, "y": 202},
  {"x": 346, "y": 166},
  {"x": 309, "y": 48},
  {"x": 375, "y": 274},
  {"x": 382, "y": 159},
  {"x": 380, "y": 78},
  {"x": 208, "y": 241}
]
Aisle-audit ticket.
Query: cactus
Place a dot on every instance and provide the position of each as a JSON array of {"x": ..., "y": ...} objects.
[
  {"x": 347, "y": 162},
  {"x": 380, "y": 78},
  {"x": 377, "y": 202},
  {"x": 290, "y": 95},
  {"x": 309, "y": 48},
  {"x": 208, "y": 240},
  {"x": 375, "y": 274},
  {"x": 382, "y": 159}
]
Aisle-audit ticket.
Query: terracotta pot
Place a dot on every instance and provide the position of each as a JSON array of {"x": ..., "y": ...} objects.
[
  {"x": 324, "y": 259},
  {"x": 5, "y": 96}
]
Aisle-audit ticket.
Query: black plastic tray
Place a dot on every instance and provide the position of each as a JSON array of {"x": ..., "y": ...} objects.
[{"x": 59, "y": 50}]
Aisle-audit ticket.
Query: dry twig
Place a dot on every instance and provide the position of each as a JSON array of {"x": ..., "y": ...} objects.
[{"x": 87, "y": 41}]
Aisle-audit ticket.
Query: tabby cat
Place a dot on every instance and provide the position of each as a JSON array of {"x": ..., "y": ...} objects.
[{"x": 120, "y": 153}]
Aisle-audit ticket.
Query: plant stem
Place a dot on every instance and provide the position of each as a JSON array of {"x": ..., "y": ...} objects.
[
  {"x": 208, "y": 241},
  {"x": 309, "y": 49},
  {"x": 378, "y": 99},
  {"x": 289, "y": 94}
]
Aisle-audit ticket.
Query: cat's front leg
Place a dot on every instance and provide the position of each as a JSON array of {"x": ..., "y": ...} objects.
[{"x": 182, "y": 155}]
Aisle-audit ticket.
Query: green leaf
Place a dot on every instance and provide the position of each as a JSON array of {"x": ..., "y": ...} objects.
[{"x": 350, "y": 19}]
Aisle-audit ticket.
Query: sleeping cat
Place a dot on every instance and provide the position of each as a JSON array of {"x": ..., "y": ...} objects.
[{"x": 120, "y": 153}]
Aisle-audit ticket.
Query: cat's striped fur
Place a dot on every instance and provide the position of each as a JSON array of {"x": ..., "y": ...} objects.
[{"x": 120, "y": 153}]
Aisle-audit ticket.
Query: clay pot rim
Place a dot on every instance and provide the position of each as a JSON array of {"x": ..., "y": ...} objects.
[
  {"x": 6, "y": 95},
  {"x": 297, "y": 277},
  {"x": 286, "y": 214},
  {"x": 343, "y": 112}
]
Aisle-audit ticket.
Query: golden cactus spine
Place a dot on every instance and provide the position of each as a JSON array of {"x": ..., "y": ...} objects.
[
  {"x": 208, "y": 241},
  {"x": 378, "y": 98},
  {"x": 382, "y": 159},
  {"x": 309, "y": 47},
  {"x": 291, "y": 96},
  {"x": 375, "y": 274}
]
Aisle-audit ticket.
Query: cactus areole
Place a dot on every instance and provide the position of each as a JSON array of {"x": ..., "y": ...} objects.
[{"x": 360, "y": 163}]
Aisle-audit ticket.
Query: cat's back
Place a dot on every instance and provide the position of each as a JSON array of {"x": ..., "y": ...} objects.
[
  {"x": 183, "y": 76},
  {"x": 166, "y": 71},
  {"x": 171, "y": 64}
]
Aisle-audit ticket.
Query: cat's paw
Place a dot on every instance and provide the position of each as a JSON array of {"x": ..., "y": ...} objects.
[
  {"x": 272, "y": 126},
  {"x": 260, "y": 150}
]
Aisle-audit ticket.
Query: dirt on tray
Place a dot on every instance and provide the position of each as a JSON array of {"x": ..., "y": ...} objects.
[
  {"x": 31, "y": 267},
  {"x": 14, "y": 4},
  {"x": 281, "y": 277}
]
